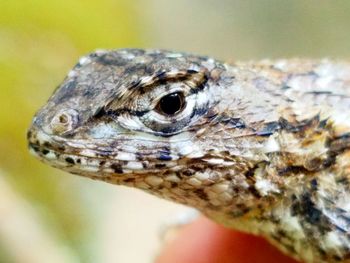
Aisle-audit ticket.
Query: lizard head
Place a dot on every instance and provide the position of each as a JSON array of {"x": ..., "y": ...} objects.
[{"x": 150, "y": 119}]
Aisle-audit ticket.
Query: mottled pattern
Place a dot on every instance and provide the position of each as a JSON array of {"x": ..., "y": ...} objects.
[{"x": 260, "y": 146}]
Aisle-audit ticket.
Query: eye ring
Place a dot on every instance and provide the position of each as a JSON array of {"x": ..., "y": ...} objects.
[{"x": 171, "y": 104}]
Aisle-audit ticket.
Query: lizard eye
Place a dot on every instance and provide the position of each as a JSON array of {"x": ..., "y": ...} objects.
[{"x": 171, "y": 104}]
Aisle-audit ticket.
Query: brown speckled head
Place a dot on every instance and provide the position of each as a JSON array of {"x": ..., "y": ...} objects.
[
  {"x": 125, "y": 108},
  {"x": 259, "y": 146}
]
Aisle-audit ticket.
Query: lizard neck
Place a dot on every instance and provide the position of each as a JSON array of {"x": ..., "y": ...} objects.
[{"x": 310, "y": 219}]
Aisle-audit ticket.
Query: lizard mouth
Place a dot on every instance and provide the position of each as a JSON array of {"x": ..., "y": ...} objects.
[
  {"x": 55, "y": 153},
  {"x": 77, "y": 158}
]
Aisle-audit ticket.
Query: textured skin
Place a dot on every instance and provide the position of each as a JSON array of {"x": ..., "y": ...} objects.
[{"x": 261, "y": 146}]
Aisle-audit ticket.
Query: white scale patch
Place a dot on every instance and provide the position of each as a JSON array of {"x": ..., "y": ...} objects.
[
  {"x": 84, "y": 60},
  {"x": 214, "y": 161},
  {"x": 203, "y": 176},
  {"x": 124, "y": 156},
  {"x": 43, "y": 137},
  {"x": 105, "y": 130},
  {"x": 332, "y": 241},
  {"x": 337, "y": 70},
  {"x": 185, "y": 149},
  {"x": 174, "y": 55},
  {"x": 271, "y": 145},
  {"x": 133, "y": 166},
  {"x": 265, "y": 186},
  {"x": 90, "y": 168},
  {"x": 196, "y": 154},
  {"x": 72, "y": 73},
  {"x": 87, "y": 153},
  {"x": 50, "y": 155}
]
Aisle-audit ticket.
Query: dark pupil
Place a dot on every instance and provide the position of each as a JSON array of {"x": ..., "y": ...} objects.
[{"x": 171, "y": 104}]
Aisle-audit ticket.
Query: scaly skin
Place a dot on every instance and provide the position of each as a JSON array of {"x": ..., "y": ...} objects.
[{"x": 261, "y": 146}]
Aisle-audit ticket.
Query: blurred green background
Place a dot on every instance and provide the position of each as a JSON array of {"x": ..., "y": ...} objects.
[{"x": 49, "y": 216}]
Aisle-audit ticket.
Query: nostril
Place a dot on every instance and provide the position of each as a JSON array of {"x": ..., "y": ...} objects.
[
  {"x": 64, "y": 121},
  {"x": 63, "y": 118}
]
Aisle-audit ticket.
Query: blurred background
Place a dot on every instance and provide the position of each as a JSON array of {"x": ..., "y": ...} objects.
[{"x": 50, "y": 216}]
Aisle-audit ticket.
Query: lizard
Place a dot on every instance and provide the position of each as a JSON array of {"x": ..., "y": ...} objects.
[{"x": 259, "y": 146}]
